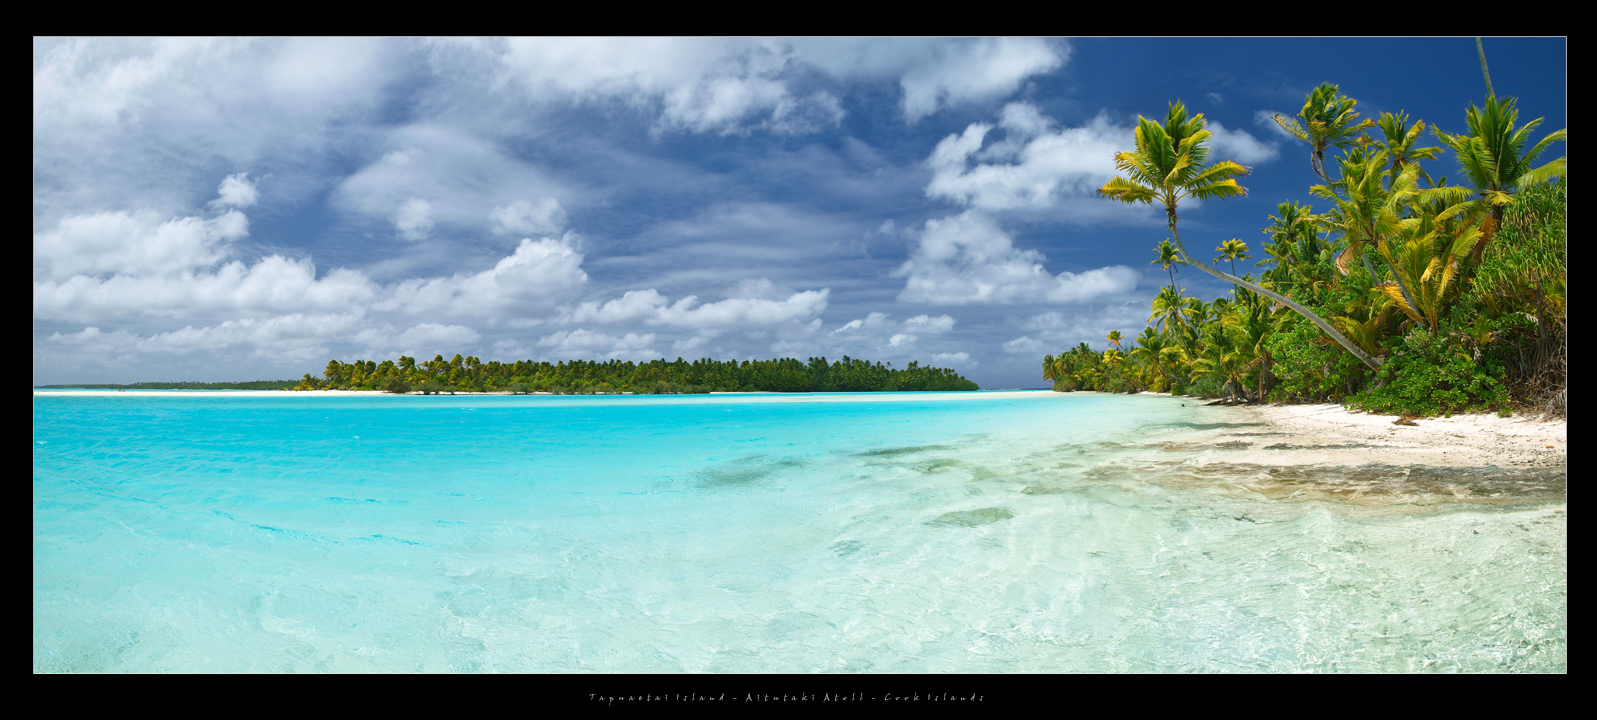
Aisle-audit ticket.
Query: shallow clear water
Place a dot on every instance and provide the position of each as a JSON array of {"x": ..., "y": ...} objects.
[{"x": 925, "y": 533}]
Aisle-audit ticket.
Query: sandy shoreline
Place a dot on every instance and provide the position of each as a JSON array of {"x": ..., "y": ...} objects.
[
  {"x": 1289, "y": 453},
  {"x": 1328, "y": 433}
]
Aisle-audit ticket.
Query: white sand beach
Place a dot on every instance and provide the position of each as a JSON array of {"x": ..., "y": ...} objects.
[
  {"x": 1304, "y": 452},
  {"x": 1457, "y": 441},
  {"x": 1465, "y": 440}
]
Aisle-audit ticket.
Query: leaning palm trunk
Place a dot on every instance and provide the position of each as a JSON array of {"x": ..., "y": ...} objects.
[
  {"x": 1318, "y": 321},
  {"x": 1374, "y": 279}
]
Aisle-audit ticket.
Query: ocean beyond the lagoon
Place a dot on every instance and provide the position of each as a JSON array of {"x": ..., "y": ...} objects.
[{"x": 908, "y": 532}]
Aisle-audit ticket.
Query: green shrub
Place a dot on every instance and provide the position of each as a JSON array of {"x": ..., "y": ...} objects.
[
  {"x": 1428, "y": 375},
  {"x": 1307, "y": 368},
  {"x": 1207, "y": 387}
]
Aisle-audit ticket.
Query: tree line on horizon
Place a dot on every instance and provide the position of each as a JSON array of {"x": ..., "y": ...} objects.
[
  {"x": 1406, "y": 295},
  {"x": 469, "y": 374}
]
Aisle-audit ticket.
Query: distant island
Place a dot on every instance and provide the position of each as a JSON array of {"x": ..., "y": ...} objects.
[
  {"x": 586, "y": 377},
  {"x": 251, "y": 385}
]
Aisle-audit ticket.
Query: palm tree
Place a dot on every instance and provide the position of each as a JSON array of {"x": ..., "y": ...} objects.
[
  {"x": 1373, "y": 210},
  {"x": 1494, "y": 158},
  {"x": 333, "y": 372},
  {"x": 1167, "y": 307},
  {"x": 1251, "y": 318},
  {"x": 1221, "y": 359},
  {"x": 1114, "y": 338},
  {"x": 1169, "y": 165},
  {"x": 1326, "y": 120},
  {"x": 1400, "y": 139},
  {"x": 1199, "y": 312},
  {"x": 1150, "y": 350},
  {"x": 1294, "y": 243},
  {"x": 1167, "y": 260},
  {"x": 1426, "y": 259},
  {"x": 1232, "y": 250}
]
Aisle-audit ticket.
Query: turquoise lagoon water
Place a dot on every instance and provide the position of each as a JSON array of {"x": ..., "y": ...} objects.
[{"x": 745, "y": 533}]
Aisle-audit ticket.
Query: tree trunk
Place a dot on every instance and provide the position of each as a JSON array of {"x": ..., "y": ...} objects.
[
  {"x": 1318, "y": 321},
  {"x": 1374, "y": 279},
  {"x": 1264, "y": 367}
]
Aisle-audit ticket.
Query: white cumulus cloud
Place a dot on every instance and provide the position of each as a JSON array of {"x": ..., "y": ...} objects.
[
  {"x": 440, "y": 180},
  {"x": 878, "y": 336},
  {"x": 744, "y": 312},
  {"x": 437, "y": 337},
  {"x": 581, "y": 343},
  {"x": 725, "y": 86},
  {"x": 274, "y": 284},
  {"x": 294, "y": 336},
  {"x": 1032, "y": 167},
  {"x": 1025, "y": 345},
  {"x": 967, "y": 259},
  {"x": 735, "y": 85},
  {"x": 537, "y": 274},
  {"x": 929, "y": 324},
  {"x": 1036, "y": 166},
  {"x": 1238, "y": 146},
  {"x": 236, "y": 191},
  {"x": 135, "y": 243},
  {"x": 523, "y": 217},
  {"x": 976, "y": 69}
]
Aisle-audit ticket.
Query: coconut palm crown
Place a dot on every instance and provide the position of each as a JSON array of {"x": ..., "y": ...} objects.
[
  {"x": 1400, "y": 140},
  {"x": 1168, "y": 165},
  {"x": 1232, "y": 250},
  {"x": 1494, "y": 159},
  {"x": 1326, "y": 120}
]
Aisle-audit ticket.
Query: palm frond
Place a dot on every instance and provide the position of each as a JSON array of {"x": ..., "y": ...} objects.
[
  {"x": 1545, "y": 173},
  {"x": 1127, "y": 191},
  {"x": 1291, "y": 126},
  {"x": 1217, "y": 191}
]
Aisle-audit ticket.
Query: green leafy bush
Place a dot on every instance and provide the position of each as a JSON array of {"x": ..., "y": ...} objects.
[
  {"x": 1428, "y": 375},
  {"x": 1207, "y": 387},
  {"x": 1308, "y": 368}
]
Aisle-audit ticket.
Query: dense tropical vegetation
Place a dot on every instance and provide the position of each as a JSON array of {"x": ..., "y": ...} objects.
[
  {"x": 1403, "y": 295},
  {"x": 469, "y": 374}
]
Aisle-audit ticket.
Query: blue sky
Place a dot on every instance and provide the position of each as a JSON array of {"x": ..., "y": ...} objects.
[{"x": 244, "y": 209}]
